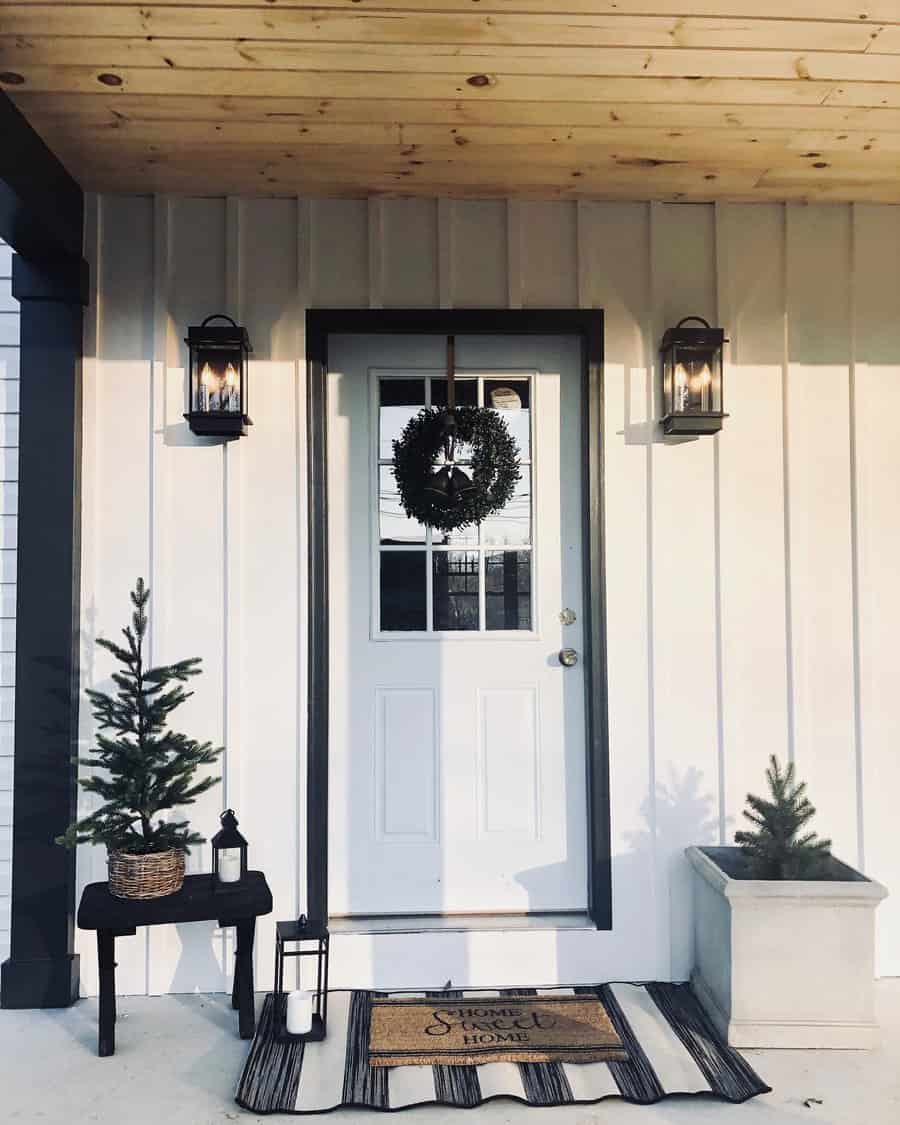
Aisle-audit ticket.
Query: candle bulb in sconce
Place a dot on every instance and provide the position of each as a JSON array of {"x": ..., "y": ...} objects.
[
  {"x": 203, "y": 388},
  {"x": 230, "y": 393},
  {"x": 299, "y": 1012}
]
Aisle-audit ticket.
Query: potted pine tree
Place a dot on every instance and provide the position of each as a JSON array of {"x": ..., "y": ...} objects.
[
  {"x": 147, "y": 768},
  {"x": 784, "y": 933}
]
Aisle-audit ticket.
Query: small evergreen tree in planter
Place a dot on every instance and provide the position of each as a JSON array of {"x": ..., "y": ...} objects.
[
  {"x": 149, "y": 768},
  {"x": 781, "y": 891},
  {"x": 777, "y": 850}
]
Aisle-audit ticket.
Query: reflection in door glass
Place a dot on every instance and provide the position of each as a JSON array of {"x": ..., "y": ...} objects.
[
  {"x": 400, "y": 399},
  {"x": 507, "y": 589},
  {"x": 511, "y": 398},
  {"x": 511, "y": 526},
  {"x": 395, "y": 525},
  {"x": 456, "y": 589},
  {"x": 403, "y": 591}
]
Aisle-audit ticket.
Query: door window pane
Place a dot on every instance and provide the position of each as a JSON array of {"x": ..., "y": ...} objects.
[
  {"x": 507, "y": 589},
  {"x": 471, "y": 579},
  {"x": 511, "y": 526},
  {"x": 511, "y": 398},
  {"x": 466, "y": 391},
  {"x": 456, "y": 590},
  {"x": 459, "y": 537},
  {"x": 400, "y": 399},
  {"x": 403, "y": 597},
  {"x": 395, "y": 526}
]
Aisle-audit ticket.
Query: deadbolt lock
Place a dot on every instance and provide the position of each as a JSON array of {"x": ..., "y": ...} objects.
[{"x": 567, "y": 617}]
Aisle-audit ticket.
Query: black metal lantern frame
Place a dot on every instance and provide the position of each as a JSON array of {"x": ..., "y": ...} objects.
[
  {"x": 218, "y": 360},
  {"x": 309, "y": 939},
  {"x": 691, "y": 364},
  {"x": 228, "y": 839}
]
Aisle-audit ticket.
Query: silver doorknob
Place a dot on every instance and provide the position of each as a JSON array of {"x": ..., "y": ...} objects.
[{"x": 568, "y": 657}]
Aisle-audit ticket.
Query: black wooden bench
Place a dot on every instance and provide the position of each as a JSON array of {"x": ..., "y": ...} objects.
[{"x": 230, "y": 904}]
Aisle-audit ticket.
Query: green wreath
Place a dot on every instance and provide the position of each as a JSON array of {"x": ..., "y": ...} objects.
[{"x": 447, "y": 497}]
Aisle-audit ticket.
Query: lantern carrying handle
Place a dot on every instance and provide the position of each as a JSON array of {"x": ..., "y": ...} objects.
[
  {"x": 219, "y": 316},
  {"x": 685, "y": 319}
]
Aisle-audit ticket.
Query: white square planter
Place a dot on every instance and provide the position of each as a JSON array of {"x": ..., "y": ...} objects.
[{"x": 784, "y": 963}]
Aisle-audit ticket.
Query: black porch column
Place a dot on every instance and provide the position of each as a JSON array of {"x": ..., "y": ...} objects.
[{"x": 42, "y": 970}]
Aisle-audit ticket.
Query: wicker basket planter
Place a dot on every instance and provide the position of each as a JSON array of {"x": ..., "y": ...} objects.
[{"x": 145, "y": 876}]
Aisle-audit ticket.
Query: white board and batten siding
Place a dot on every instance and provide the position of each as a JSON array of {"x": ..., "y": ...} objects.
[
  {"x": 752, "y": 601},
  {"x": 9, "y": 473}
]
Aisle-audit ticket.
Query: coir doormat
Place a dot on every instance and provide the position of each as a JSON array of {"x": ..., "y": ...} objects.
[
  {"x": 671, "y": 1048},
  {"x": 430, "y": 1032}
]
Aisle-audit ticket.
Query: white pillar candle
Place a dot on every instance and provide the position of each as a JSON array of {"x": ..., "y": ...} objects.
[
  {"x": 299, "y": 1012},
  {"x": 229, "y": 865}
]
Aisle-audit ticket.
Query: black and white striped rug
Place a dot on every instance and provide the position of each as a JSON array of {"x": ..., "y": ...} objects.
[{"x": 672, "y": 1049}]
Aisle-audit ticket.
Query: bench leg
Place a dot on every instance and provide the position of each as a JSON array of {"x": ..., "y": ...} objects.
[
  {"x": 243, "y": 977},
  {"x": 106, "y": 958}
]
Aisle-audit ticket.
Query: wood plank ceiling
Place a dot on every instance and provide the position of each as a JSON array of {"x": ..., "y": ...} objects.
[{"x": 601, "y": 99}]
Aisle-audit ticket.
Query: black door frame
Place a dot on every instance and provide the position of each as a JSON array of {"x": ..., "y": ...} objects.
[{"x": 587, "y": 324}]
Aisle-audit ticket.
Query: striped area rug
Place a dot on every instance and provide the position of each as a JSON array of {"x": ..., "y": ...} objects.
[{"x": 672, "y": 1049}]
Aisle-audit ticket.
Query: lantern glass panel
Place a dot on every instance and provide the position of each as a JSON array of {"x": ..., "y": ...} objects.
[
  {"x": 694, "y": 380},
  {"x": 217, "y": 380}
]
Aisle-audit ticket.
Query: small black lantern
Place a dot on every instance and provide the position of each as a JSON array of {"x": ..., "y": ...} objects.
[
  {"x": 229, "y": 853},
  {"x": 217, "y": 380},
  {"x": 302, "y": 938},
  {"x": 691, "y": 361}
]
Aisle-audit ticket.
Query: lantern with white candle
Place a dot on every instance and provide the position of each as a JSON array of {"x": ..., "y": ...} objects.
[
  {"x": 302, "y": 1014},
  {"x": 229, "y": 853}
]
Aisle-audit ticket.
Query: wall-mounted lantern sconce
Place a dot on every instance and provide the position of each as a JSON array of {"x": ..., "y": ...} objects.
[
  {"x": 218, "y": 362},
  {"x": 691, "y": 361}
]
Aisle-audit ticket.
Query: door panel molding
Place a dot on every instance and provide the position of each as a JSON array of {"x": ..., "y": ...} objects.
[{"x": 587, "y": 325}]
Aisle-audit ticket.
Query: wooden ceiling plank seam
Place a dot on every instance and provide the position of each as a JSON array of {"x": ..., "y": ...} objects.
[
  {"x": 825, "y": 10},
  {"x": 375, "y": 84},
  {"x": 263, "y": 57},
  {"x": 365, "y": 26},
  {"x": 725, "y": 116}
]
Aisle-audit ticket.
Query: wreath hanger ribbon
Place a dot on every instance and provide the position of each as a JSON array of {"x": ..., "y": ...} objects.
[{"x": 450, "y": 484}]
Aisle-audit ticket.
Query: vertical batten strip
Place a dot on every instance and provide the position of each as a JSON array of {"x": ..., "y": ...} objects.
[
  {"x": 723, "y": 316},
  {"x": 648, "y": 326},
  {"x": 514, "y": 253},
  {"x": 231, "y": 531},
  {"x": 582, "y": 257},
  {"x": 88, "y": 860},
  {"x": 232, "y": 491},
  {"x": 162, "y": 286},
  {"x": 376, "y": 253},
  {"x": 159, "y": 367},
  {"x": 445, "y": 257},
  {"x": 854, "y": 544},
  {"x": 305, "y": 289},
  {"x": 786, "y": 474}
]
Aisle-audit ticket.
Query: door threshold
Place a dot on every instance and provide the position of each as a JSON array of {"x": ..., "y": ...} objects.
[{"x": 425, "y": 923}]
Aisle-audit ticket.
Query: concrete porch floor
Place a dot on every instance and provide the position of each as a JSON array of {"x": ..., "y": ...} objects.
[{"x": 178, "y": 1059}]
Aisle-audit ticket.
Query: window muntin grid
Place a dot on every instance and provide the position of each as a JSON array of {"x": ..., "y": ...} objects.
[{"x": 478, "y": 580}]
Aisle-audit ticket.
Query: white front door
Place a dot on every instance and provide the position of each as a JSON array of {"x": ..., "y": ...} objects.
[{"x": 456, "y": 744}]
